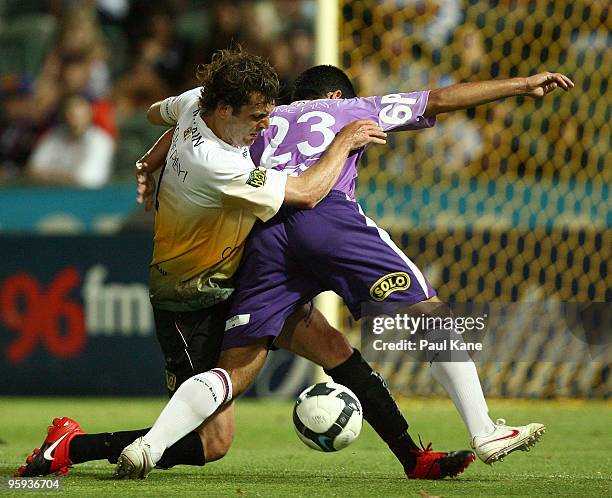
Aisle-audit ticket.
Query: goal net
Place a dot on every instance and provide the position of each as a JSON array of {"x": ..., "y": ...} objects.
[{"x": 508, "y": 202}]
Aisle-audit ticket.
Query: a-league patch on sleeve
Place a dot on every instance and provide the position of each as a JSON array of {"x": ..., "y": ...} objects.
[{"x": 257, "y": 178}]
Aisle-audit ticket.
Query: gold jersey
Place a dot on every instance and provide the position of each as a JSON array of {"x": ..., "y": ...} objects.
[{"x": 210, "y": 195}]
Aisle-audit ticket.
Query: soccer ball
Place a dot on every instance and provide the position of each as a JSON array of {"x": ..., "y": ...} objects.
[{"x": 327, "y": 417}]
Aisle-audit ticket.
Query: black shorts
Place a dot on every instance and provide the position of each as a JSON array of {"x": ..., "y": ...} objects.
[{"x": 190, "y": 341}]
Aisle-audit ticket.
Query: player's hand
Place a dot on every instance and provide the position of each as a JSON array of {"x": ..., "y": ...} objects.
[
  {"x": 361, "y": 133},
  {"x": 540, "y": 84},
  {"x": 145, "y": 185}
]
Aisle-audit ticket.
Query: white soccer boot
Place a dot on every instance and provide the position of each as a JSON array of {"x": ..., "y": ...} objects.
[
  {"x": 135, "y": 461},
  {"x": 505, "y": 439}
]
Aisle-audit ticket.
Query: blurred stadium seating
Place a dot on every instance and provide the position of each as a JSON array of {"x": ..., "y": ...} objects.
[{"x": 149, "y": 49}]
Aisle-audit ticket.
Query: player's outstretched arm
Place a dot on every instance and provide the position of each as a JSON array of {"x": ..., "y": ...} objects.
[
  {"x": 306, "y": 190},
  {"x": 466, "y": 95},
  {"x": 150, "y": 162}
]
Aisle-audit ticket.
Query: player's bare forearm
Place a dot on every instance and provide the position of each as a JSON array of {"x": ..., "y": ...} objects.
[
  {"x": 466, "y": 95},
  {"x": 156, "y": 155},
  {"x": 315, "y": 183},
  {"x": 147, "y": 165},
  {"x": 307, "y": 190}
]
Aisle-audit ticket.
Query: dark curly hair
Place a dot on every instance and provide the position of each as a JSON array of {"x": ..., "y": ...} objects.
[{"x": 232, "y": 76}]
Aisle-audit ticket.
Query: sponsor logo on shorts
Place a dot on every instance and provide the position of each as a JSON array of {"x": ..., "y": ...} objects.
[
  {"x": 186, "y": 133},
  {"x": 257, "y": 178},
  {"x": 388, "y": 284},
  {"x": 170, "y": 381},
  {"x": 237, "y": 320}
]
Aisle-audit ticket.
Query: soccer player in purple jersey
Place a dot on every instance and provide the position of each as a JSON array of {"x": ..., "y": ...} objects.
[{"x": 334, "y": 246}]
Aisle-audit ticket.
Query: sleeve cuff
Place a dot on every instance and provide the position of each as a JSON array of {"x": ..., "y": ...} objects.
[
  {"x": 164, "y": 111},
  {"x": 279, "y": 197}
]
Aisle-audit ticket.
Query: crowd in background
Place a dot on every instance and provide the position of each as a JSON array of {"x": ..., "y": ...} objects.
[
  {"x": 123, "y": 55},
  {"x": 78, "y": 76}
]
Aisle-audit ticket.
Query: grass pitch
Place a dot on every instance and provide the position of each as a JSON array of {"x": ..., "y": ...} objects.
[{"x": 267, "y": 459}]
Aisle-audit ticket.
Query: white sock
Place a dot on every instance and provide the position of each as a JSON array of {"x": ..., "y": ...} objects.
[
  {"x": 460, "y": 380},
  {"x": 193, "y": 402}
]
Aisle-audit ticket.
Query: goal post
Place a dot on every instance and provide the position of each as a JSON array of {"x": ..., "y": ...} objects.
[
  {"x": 327, "y": 51},
  {"x": 327, "y": 32}
]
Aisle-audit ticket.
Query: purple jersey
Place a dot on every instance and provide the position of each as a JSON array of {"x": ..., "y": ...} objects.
[{"x": 300, "y": 132}]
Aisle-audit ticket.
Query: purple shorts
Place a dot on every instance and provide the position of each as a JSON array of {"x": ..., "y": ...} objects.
[{"x": 302, "y": 252}]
